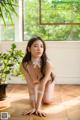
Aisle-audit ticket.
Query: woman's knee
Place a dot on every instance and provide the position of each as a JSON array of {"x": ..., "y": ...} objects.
[{"x": 47, "y": 101}]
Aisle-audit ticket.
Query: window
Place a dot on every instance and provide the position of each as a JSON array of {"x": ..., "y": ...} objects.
[
  {"x": 52, "y": 11},
  {"x": 7, "y": 33},
  {"x": 55, "y": 20},
  {"x": 59, "y": 12},
  {"x": 7, "y": 19}
]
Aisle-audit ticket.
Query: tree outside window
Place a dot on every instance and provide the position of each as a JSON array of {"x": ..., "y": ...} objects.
[{"x": 52, "y": 11}]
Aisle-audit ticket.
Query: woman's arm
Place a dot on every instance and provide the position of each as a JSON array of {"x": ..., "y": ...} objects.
[
  {"x": 32, "y": 95},
  {"x": 42, "y": 85},
  {"x": 30, "y": 86}
]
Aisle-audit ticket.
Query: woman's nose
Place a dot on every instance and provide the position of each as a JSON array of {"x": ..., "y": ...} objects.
[{"x": 39, "y": 48}]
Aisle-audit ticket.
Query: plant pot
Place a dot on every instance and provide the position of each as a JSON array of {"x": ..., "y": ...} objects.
[{"x": 2, "y": 91}]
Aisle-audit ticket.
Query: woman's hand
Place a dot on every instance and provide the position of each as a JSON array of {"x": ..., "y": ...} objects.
[
  {"x": 40, "y": 113},
  {"x": 29, "y": 112},
  {"x": 35, "y": 112}
]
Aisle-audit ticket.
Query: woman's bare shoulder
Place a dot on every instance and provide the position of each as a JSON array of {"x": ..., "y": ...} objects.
[
  {"x": 51, "y": 67},
  {"x": 49, "y": 63}
]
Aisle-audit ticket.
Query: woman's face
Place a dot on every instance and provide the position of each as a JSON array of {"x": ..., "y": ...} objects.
[{"x": 36, "y": 49}]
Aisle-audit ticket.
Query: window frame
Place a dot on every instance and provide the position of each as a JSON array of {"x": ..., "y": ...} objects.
[{"x": 52, "y": 23}]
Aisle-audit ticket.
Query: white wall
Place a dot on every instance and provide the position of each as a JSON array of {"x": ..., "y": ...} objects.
[
  {"x": 65, "y": 56},
  {"x": 66, "y": 60}
]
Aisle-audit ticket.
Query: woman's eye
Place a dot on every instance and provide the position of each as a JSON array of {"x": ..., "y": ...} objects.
[
  {"x": 41, "y": 46},
  {"x": 35, "y": 46}
]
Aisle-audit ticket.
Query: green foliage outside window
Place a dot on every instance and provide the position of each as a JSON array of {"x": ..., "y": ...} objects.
[
  {"x": 60, "y": 11},
  {"x": 52, "y": 11},
  {"x": 7, "y": 19},
  {"x": 7, "y": 33}
]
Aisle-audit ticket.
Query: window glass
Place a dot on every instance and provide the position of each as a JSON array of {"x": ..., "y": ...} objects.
[
  {"x": 8, "y": 12},
  {"x": 7, "y": 33},
  {"x": 52, "y": 11}
]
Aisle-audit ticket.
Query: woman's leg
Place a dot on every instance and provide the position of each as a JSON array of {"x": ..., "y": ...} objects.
[{"x": 48, "y": 93}]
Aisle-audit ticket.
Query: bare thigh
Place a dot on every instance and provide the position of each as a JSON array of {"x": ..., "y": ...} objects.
[{"x": 49, "y": 93}]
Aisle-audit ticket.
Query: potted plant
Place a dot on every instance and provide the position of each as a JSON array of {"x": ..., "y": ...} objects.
[{"x": 9, "y": 66}]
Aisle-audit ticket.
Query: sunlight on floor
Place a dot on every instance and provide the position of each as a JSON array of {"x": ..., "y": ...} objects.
[
  {"x": 12, "y": 97},
  {"x": 66, "y": 105},
  {"x": 54, "y": 108},
  {"x": 63, "y": 106},
  {"x": 17, "y": 96}
]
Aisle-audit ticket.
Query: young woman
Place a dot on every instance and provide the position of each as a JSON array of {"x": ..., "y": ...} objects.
[{"x": 38, "y": 72}]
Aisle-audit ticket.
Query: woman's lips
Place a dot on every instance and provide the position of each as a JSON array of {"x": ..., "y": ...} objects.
[{"x": 38, "y": 52}]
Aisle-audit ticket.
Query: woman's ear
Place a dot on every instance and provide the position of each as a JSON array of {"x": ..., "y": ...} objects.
[{"x": 29, "y": 49}]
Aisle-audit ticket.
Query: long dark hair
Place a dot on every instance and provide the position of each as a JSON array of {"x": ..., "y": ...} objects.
[{"x": 27, "y": 57}]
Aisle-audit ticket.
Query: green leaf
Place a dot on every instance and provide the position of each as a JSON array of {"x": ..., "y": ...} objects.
[
  {"x": 7, "y": 72},
  {"x": 2, "y": 16},
  {"x": 8, "y": 7},
  {"x": 8, "y": 12},
  {"x": 10, "y": 65},
  {"x": 13, "y": 46}
]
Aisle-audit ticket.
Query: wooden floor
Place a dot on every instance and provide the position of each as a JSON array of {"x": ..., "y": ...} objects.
[{"x": 66, "y": 105}]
